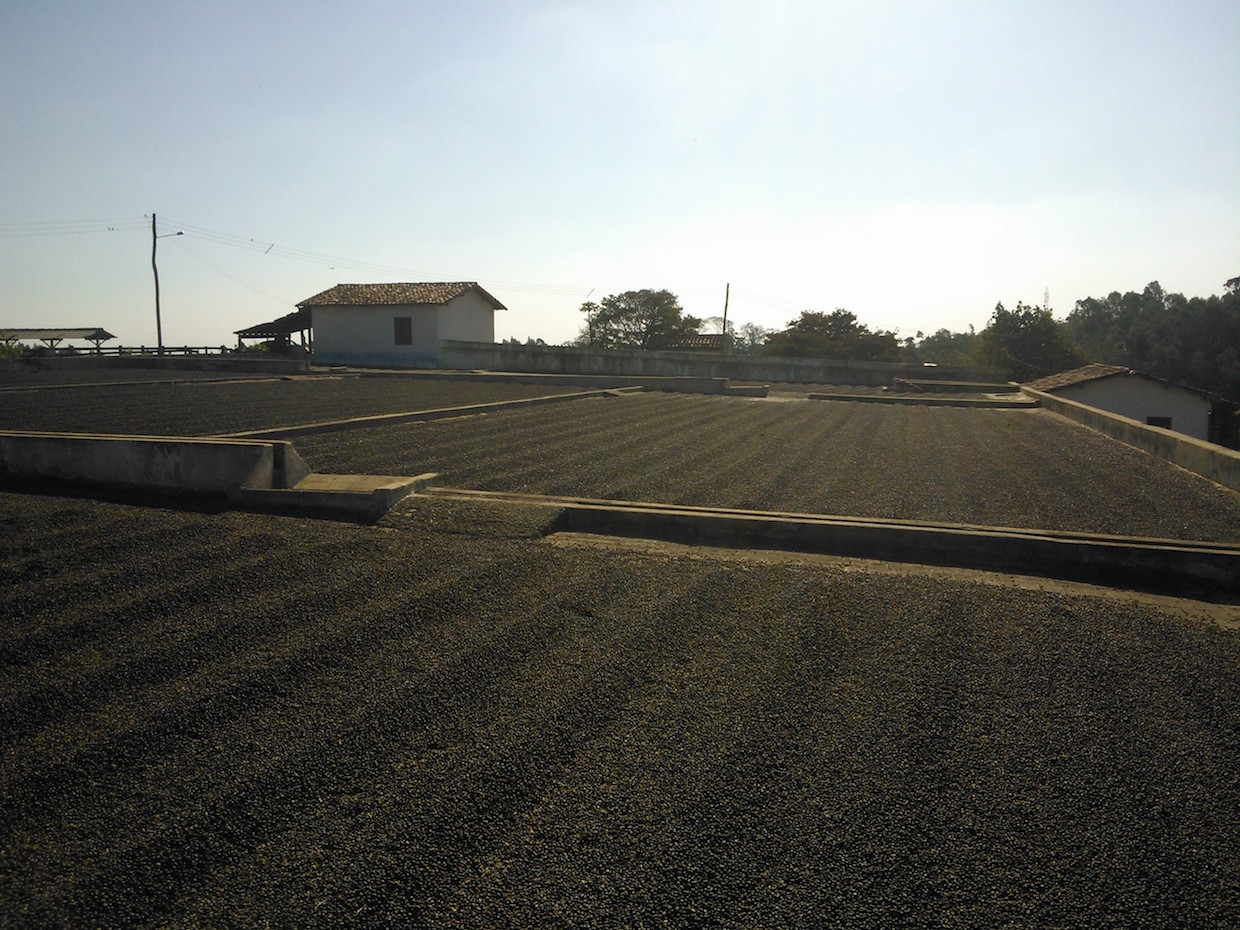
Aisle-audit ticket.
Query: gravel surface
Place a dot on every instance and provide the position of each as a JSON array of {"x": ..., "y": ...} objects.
[
  {"x": 214, "y": 720},
  {"x": 1022, "y": 468},
  {"x": 194, "y": 409}
]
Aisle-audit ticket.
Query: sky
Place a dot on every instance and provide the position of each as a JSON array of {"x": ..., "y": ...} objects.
[{"x": 912, "y": 162}]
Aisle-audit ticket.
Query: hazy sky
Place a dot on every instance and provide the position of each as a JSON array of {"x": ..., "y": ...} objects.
[{"x": 913, "y": 162}]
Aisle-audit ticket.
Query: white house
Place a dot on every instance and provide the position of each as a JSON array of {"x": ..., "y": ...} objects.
[
  {"x": 1139, "y": 397},
  {"x": 397, "y": 325}
]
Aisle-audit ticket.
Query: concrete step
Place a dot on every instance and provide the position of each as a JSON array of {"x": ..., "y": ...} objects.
[{"x": 364, "y": 498}]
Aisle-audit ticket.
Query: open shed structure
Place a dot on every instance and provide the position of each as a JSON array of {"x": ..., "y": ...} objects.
[
  {"x": 52, "y": 338},
  {"x": 280, "y": 332}
]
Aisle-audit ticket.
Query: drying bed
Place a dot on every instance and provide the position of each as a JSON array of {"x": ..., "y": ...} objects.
[
  {"x": 446, "y": 720},
  {"x": 1016, "y": 468}
]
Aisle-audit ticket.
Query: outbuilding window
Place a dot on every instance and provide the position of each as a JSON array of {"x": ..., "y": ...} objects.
[{"x": 404, "y": 330}]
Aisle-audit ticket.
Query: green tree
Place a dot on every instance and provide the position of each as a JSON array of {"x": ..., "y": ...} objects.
[
  {"x": 633, "y": 319},
  {"x": 750, "y": 339},
  {"x": 1194, "y": 341},
  {"x": 832, "y": 335},
  {"x": 944, "y": 347},
  {"x": 1027, "y": 341}
]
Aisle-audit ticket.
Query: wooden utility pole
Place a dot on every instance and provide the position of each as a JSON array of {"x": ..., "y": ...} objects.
[
  {"x": 727, "y": 343},
  {"x": 155, "y": 237},
  {"x": 159, "y": 329}
]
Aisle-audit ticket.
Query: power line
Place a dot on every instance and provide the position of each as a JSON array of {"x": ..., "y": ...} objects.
[
  {"x": 270, "y": 248},
  {"x": 70, "y": 227},
  {"x": 227, "y": 273}
]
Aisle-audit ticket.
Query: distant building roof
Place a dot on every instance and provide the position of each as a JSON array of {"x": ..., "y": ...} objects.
[
  {"x": 294, "y": 322},
  {"x": 697, "y": 342},
  {"x": 369, "y": 295},
  {"x": 1076, "y": 376},
  {"x": 89, "y": 333}
]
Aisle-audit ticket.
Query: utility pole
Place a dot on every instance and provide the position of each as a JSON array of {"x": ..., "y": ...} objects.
[
  {"x": 159, "y": 329},
  {"x": 727, "y": 291},
  {"x": 155, "y": 237}
]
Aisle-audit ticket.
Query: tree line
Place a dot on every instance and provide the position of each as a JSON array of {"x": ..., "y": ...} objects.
[{"x": 1191, "y": 340}]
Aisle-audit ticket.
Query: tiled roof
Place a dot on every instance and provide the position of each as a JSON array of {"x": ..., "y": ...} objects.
[
  {"x": 369, "y": 295},
  {"x": 1076, "y": 376},
  {"x": 711, "y": 342}
]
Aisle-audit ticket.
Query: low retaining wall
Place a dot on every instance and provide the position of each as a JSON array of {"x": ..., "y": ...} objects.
[
  {"x": 244, "y": 363},
  {"x": 1203, "y": 458},
  {"x": 1183, "y": 567},
  {"x": 151, "y": 463},
  {"x": 599, "y": 382},
  {"x": 573, "y": 360}
]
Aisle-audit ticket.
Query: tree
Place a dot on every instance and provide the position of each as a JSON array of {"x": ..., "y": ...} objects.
[
  {"x": 944, "y": 347},
  {"x": 751, "y": 338},
  {"x": 632, "y": 319},
  {"x": 1190, "y": 340},
  {"x": 715, "y": 325},
  {"x": 1027, "y": 341},
  {"x": 832, "y": 335}
]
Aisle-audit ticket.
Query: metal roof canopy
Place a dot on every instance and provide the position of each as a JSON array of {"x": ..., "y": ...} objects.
[
  {"x": 95, "y": 334},
  {"x": 290, "y": 323}
]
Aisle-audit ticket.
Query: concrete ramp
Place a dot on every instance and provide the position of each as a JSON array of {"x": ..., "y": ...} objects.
[
  {"x": 360, "y": 498},
  {"x": 255, "y": 474}
]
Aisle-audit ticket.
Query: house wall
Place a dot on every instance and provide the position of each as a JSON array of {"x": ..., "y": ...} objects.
[
  {"x": 468, "y": 318},
  {"x": 352, "y": 335},
  {"x": 1140, "y": 398}
]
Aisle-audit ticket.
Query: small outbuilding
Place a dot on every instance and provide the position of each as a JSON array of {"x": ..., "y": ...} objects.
[
  {"x": 397, "y": 325},
  {"x": 1144, "y": 398}
]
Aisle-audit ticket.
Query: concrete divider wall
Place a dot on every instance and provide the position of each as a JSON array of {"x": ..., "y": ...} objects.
[
  {"x": 210, "y": 466},
  {"x": 573, "y": 360},
  {"x": 244, "y": 363},
  {"x": 1203, "y": 458}
]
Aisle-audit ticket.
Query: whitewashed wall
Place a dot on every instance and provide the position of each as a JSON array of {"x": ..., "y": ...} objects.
[
  {"x": 367, "y": 335},
  {"x": 1140, "y": 398},
  {"x": 467, "y": 318}
]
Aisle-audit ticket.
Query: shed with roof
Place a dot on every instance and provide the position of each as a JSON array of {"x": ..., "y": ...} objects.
[
  {"x": 1144, "y": 398},
  {"x": 51, "y": 338},
  {"x": 398, "y": 325}
]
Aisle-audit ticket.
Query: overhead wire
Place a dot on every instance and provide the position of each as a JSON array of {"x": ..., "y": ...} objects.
[
  {"x": 193, "y": 231},
  {"x": 267, "y": 247},
  {"x": 217, "y": 267},
  {"x": 69, "y": 227}
]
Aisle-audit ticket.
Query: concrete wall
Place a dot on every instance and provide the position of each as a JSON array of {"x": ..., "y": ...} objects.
[
  {"x": 1139, "y": 398},
  {"x": 350, "y": 335},
  {"x": 258, "y": 362},
  {"x": 1204, "y": 458},
  {"x": 152, "y": 463},
  {"x": 573, "y": 360}
]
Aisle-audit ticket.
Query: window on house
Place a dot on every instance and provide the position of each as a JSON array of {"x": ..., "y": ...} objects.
[
  {"x": 1164, "y": 422},
  {"x": 404, "y": 330}
]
